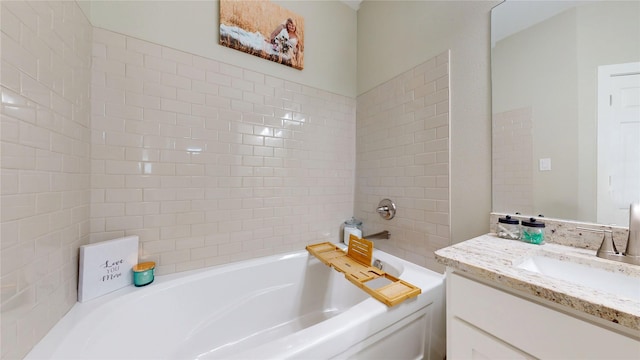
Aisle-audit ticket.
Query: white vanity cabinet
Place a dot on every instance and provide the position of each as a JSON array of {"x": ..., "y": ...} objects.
[{"x": 484, "y": 322}]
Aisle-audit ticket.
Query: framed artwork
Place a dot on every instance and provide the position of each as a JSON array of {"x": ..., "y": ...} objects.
[
  {"x": 106, "y": 266},
  {"x": 264, "y": 29}
]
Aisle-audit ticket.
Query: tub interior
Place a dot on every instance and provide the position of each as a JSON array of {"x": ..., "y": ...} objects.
[
  {"x": 289, "y": 304},
  {"x": 216, "y": 316},
  {"x": 272, "y": 313}
]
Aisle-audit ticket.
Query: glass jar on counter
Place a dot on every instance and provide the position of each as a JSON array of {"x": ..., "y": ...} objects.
[
  {"x": 352, "y": 227},
  {"x": 508, "y": 228},
  {"x": 532, "y": 231}
]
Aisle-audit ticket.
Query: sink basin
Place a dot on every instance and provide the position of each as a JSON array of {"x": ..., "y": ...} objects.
[{"x": 617, "y": 284}]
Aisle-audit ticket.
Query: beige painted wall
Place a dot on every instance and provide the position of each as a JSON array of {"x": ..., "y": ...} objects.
[
  {"x": 394, "y": 36},
  {"x": 330, "y": 36}
]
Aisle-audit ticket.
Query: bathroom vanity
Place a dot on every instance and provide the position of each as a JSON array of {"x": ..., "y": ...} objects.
[{"x": 509, "y": 299}]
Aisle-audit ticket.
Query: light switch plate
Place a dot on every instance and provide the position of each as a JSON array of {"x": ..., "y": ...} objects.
[{"x": 545, "y": 164}]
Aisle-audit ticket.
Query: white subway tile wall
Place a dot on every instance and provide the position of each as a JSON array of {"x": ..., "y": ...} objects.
[
  {"x": 210, "y": 163},
  {"x": 403, "y": 154},
  {"x": 207, "y": 162},
  {"x": 512, "y": 174},
  {"x": 45, "y": 78}
]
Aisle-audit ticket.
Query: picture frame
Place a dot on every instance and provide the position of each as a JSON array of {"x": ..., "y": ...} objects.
[{"x": 264, "y": 29}]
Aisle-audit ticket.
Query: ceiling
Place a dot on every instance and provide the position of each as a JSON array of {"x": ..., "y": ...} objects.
[
  {"x": 354, "y": 4},
  {"x": 518, "y": 15}
]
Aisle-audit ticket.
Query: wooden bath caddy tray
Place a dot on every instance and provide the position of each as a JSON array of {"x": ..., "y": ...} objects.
[{"x": 355, "y": 264}]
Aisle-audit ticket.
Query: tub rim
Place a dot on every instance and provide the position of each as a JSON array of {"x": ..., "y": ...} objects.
[{"x": 360, "y": 311}]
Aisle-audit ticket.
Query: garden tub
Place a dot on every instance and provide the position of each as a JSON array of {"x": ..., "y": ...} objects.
[{"x": 276, "y": 307}]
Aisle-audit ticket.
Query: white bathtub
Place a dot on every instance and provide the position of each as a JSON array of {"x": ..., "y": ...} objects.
[{"x": 277, "y": 307}]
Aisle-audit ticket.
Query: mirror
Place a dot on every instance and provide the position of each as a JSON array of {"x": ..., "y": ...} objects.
[{"x": 555, "y": 151}]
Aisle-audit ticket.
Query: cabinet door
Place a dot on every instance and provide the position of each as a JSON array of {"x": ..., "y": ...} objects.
[
  {"x": 473, "y": 343},
  {"x": 530, "y": 327}
]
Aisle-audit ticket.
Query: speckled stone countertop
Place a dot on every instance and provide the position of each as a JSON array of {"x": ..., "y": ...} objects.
[{"x": 496, "y": 260}]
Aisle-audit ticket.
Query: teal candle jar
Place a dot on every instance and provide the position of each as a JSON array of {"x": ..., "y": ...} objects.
[
  {"x": 143, "y": 273},
  {"x": 532, "y": 231}
]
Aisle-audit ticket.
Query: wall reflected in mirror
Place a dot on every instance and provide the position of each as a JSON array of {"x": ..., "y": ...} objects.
[{"x": 566, "y": 143}]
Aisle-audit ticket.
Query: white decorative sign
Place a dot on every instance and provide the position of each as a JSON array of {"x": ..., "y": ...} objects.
[{"x": 106, "y": 266}]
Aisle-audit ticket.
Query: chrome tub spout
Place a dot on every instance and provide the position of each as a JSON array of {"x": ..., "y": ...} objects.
[{"x": 381, "y": 235}]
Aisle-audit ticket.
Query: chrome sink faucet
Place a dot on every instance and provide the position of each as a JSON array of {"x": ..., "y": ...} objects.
[
  {"x": 633, "y": 241},
  {"x": 631, "y": 255}
]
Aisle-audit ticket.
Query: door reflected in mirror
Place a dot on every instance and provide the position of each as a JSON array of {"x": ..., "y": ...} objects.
[{"x": 553, "y": 152}]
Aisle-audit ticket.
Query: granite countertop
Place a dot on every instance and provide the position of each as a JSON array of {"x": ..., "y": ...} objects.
[{"x": 494, "y": 259}]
